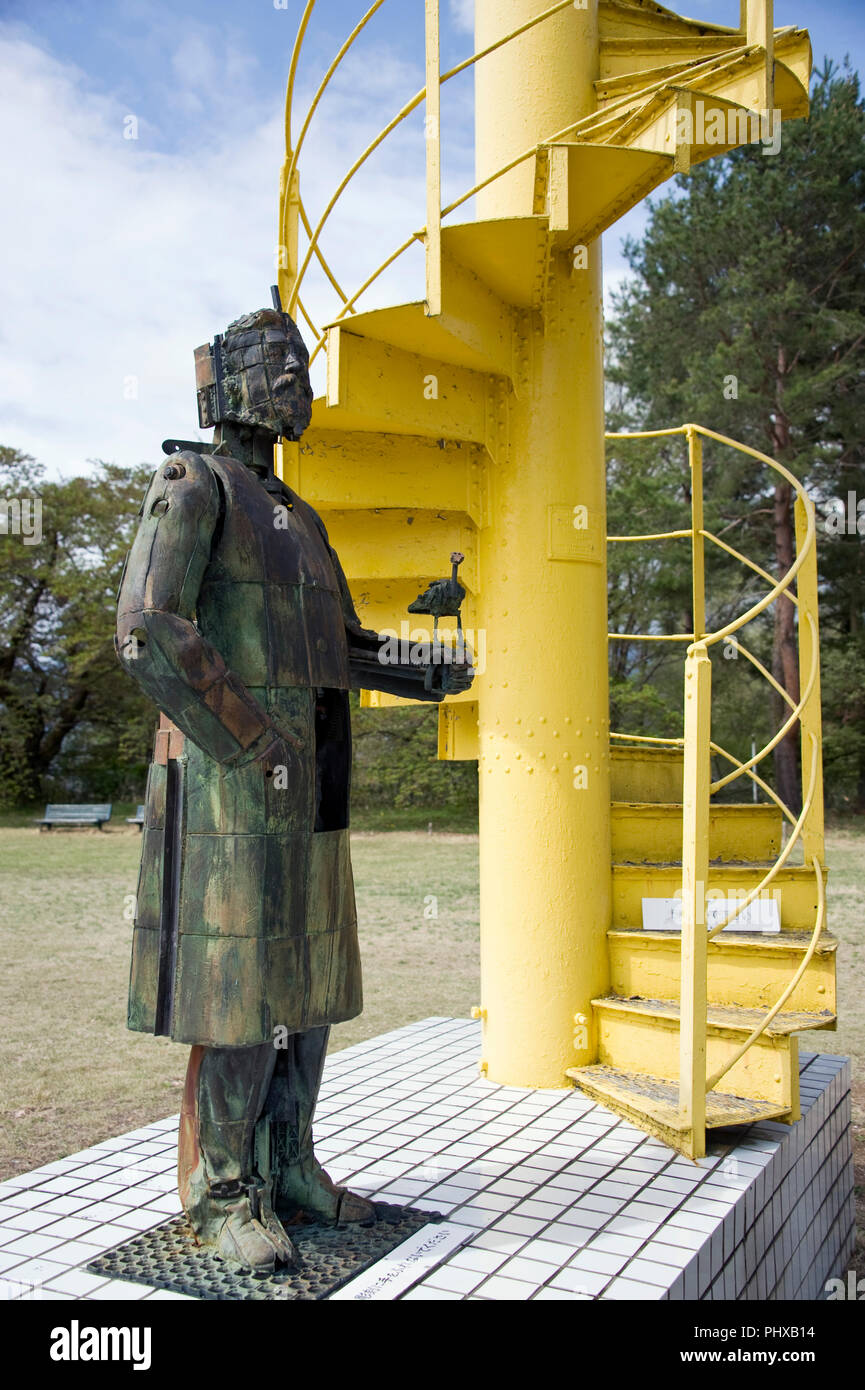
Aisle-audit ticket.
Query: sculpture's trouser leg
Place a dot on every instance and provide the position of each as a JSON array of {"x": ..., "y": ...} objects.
[
  {"x": 220, "y": 1188},
  {"x": 299, "y": 1181}
]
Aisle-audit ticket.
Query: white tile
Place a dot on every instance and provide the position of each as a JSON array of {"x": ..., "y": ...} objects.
[
  {"x": 62, "y": 1206},
  {"x": 525, "y": 1266},
  {"x": 13, "y": 1289},
  {"x": 598, "y": 1261},
  {"x": 454, "y": 1278},
  {"x": 116, "y": 1290},
  {"x": 426, "y": 1293},
  {"x": 509, "y": 1290},
  {"x": 76, "y": 1282},
  {"x": 474, "y": 1258},
  {"x": 103, "y": 1238},
  {"x": 647, "y": 1271},
  {"x": 37, "y": 1271},
  {"x": 521, "y": 1225},
  {"x": 72, "y": 1253},
  {"x": 617, "y": 1244},
  {"x": 29, "y": 1245},
  {"x": 502, "y": 1241},
  {"x": 581, "y": 1281},
  {"x": 539, "y": 1206},
  {"x": 629, "y": 1289},
  {"x": 22, "y": 1222}
]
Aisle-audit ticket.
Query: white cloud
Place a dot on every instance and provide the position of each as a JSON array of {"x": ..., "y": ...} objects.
[
  {"x": 117, "y": 259},
  {"x": 463, "y": 15}
]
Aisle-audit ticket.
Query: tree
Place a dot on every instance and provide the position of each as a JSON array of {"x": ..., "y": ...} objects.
[
  {"x": 69, "y": 716},
  {"x": 746, "y": 312}
]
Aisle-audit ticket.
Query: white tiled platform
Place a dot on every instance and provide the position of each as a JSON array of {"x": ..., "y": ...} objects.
[{"x": 558, "y": 1198}]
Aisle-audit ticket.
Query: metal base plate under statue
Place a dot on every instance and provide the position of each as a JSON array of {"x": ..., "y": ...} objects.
[{"x": 167, "y": 1257}]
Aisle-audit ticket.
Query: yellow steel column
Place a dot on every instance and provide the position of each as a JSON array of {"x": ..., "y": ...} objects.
[{"x": 543, "y": 706}]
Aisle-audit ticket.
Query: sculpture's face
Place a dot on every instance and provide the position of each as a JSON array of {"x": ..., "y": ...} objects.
[{"x": 256, "y": 374}]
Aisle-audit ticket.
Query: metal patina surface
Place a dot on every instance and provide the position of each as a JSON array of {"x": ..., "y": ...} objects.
[
  {"x": 168, "y": 1258},
  {"x": 235, "y": 617}
]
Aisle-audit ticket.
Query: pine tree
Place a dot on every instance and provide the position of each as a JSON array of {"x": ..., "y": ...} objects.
[{"x": 746, "y": 313}]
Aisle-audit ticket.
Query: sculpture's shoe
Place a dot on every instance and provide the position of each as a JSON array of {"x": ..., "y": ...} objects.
[
  {"x": 308, "y": 1188},
  {"x": 256, "y": 1244}
]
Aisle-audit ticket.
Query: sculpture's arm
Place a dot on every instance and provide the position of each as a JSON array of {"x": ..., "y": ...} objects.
[{"x": 157, "y": 639}]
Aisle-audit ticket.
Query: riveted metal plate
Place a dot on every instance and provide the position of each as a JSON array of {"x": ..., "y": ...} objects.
[
  {"x": 168, "y": 1258},
  {"x": 575, "y": 533}
]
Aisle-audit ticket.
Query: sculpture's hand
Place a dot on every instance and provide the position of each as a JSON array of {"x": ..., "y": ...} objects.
[
  {"x": 453, "y": 672},
  {"x": 457, "y": 677}
]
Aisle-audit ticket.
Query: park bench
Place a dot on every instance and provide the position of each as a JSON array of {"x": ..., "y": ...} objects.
[
  {"x": 91, "y": 813},
  {"x": 137, "y": 819}
]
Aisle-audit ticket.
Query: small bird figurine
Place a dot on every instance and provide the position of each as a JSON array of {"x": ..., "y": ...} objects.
[{"x": 443, "y": 598}]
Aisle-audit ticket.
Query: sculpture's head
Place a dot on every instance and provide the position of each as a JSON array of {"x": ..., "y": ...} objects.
[{"x": 256, "y": 373}]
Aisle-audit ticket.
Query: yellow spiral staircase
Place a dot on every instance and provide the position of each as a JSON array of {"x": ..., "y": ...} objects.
[{"x": 411, "y": 455}]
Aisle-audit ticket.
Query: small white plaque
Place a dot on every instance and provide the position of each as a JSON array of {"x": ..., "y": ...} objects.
[
  {"x": 762, "y": 915},
  {"x": 408, "y": 1262}
]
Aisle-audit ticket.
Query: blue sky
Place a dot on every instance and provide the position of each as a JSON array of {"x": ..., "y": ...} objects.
[{"x": 118, "y": 256}]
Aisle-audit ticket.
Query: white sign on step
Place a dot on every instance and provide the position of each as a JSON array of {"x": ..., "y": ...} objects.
[
  {"x": 410, "y": 1261},
  {"x": 762, "y": 915}
]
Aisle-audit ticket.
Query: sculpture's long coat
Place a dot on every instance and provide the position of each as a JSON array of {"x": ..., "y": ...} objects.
[{"x": 232, "y": 615}]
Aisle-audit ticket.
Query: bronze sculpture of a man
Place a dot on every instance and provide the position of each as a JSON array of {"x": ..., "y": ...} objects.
[{"x": 235, "y": 617}]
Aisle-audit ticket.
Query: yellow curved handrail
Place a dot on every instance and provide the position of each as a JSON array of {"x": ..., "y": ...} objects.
[
  {"x": 767, "y": 675},
  {"x": 784, "y": 583},
  {"x": 785, "y": 728},
  {"x": 287, "y": 174},
  {"x": 743, "y": 559},
  {"x": 712, "y": 1081},
  {"x": 646, "y": 738},
  {"x": 783, "y": 856},
  {"x": 659, "y": 536},
  {"x": 406, "y": 110},
  {"x": 757, "y": 779},
  {"x": 651, "y": 637},
  {"x": 806, "y": 548}
]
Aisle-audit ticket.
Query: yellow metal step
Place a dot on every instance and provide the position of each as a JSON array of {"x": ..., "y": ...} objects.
[
  {"x": 629, "y": 60},
  {"x": 739, "y": 79},
  {"x": 509, "y": 255},
  {"x": 425, "y": 396},
  {"x": 750, "y": 970},
  {"x": 475, "y": 328},
  {"x": 651, "y": 832},
  {"x": 653, "y": 1104},
  {"x": 337, "y": 470},
  {"x": 642, "y": 20},
  {"x": 396, "y": 544},
  {"x": 724, "y": 1019},
  {"x": 592, "y": 186},
  {"x": 655, "y": 125},
  {"x": 645, "y": 773},
  {"x": 617, "y": 88},
  {"x": 737, "y": 74},
  {"x": 795, "y": 887},
  {"x": 642, "y": 1035}
]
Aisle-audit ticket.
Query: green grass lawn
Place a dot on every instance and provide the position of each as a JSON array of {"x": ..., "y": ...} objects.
[{"x": 71, "y": 1074}]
